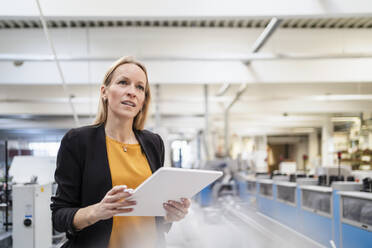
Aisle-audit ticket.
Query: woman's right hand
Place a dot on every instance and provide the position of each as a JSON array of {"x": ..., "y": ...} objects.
[
  {"x": 113, "y": 203},
  {"x": 110, "y": 205}
]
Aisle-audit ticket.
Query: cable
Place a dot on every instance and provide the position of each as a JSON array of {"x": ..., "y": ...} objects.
[{"x": 49, "y": 40}]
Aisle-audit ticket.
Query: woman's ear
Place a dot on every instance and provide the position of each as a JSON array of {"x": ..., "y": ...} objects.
[{"x": 103, "y": 92}]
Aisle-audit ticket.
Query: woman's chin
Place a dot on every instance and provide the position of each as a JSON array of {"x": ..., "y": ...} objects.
[
  {"x": 123, "y": 113},
  {"x": 126, "y": 115}
]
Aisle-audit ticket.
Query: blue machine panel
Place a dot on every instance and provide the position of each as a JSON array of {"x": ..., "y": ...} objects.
[
  {"x": 316, "y": 213},
  {"x": 206, "y": 196},
  {"x": 287, "y": 215},
  {"x": 317, "y": 227},
  {"x": 251, "y": 193},
  {"x": 266, "y": 206},
  {"x": 354, "y": 237},
  {"x": 336, "y": 219},
  {"x": 266, "y": 199},
  {"x": 356, "y": 219},
  {"x": 286, "y": 203},
  {"x": 242, "y": 190}
]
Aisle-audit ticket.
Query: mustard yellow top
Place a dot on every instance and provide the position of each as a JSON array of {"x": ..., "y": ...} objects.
[{"x": 129, "y": 168}]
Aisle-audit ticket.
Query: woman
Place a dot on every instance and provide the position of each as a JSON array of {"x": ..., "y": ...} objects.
[{"x": 98, "y": 165}]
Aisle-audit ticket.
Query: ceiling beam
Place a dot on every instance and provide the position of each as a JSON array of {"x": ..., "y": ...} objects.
[
  {"x": 244, "y": 58},
  {"x": 188, "y": 9}
]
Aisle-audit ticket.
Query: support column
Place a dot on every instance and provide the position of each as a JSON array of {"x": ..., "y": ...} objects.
[
  {"x": 161, "y": 130},
  {"x": 313, "y": 150},
  {"x": 226, "y": 132},
  {"x": 206, "y": 125},
  {"x": 368, "y": 116},
  {"x": 261, "y": 153},
  {"x": 327, "y": 142},
  {"x": 157, "y": 107}
]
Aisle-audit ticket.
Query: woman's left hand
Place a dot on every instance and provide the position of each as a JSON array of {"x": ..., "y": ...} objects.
[{"x": 176, "y": 211}]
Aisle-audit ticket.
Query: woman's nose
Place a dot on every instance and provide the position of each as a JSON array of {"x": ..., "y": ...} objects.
[{"x": 131, "y": 91}]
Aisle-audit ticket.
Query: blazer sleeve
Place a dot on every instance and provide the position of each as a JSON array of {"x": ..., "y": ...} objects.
[{"x": 67, "y": 200}]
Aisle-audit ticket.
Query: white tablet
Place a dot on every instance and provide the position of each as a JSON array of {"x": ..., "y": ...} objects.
[{"x": 169, "y": 184}]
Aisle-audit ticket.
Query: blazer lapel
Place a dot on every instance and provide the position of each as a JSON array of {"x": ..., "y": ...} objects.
[
  {"x": 103, "y": 158},
  {"x": 145, "y": 149}
]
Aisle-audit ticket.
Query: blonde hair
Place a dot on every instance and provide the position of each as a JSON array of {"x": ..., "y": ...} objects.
[{"x": 140, "y": 118}]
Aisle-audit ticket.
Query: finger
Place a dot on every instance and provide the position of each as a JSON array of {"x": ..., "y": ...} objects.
[
  {"x": 186, "y": 202},
  {"x": 170, "y": 217},
  {"x": 121, "y": 211},
  {"x": 173, "y": 210},
  {"x": 179, "y": 206},
  {"x": 117, "y": 189},
  {"x": 117, "y": 197},
  {"x": 121, "y": 204}
]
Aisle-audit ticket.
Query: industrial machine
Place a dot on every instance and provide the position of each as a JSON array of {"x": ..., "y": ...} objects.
[
  {"x": 355, "y": 218},
  {"x": 332, "y": 216},
  {"x": 32, "y": 220},
  {"x": 31, "y": 191}
]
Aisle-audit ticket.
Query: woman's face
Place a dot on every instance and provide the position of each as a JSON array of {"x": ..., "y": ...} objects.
[{"x": 126, "y": 91}]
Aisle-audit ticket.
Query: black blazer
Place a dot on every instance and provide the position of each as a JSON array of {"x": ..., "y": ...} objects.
[{"x": 83, "y": 178}]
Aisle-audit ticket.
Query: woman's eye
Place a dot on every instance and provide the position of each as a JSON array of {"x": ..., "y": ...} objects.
[
  {"x": 140, "y": 87},
  {"x": 123, "y": 82}
]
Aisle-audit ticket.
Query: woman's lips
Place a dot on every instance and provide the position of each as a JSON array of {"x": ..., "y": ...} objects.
[{"x": 129, "y": 103}]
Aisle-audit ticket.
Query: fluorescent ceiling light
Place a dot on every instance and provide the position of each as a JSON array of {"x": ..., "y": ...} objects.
[
  {"x": 303, "y": 130},
  {"x": 345, "y": 119},
  {"x": 339, "y": 97}
]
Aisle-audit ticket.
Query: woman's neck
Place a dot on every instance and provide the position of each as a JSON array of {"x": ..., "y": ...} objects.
[{"x": 120, "y": 130}]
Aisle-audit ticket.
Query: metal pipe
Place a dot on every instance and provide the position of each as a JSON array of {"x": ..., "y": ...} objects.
[
  {"x": 198, "y": 147},
  {"x": 55, "y": 58},
  {"x": 89, "y": 77},
  {"x": 226, "y": 115},
  {"x": 6, "y": 187},
  {"x": 226, "y": 120},
  {"x": 206, "y": 118},
  {"x": 241, "y": 90},
  {"x": 266, "y": 34},
  {"x": 260, "y": 42},
  {"x": 225, "y": 58},
  {"x": 223, "y": 89},
  {"x": 157, "y": 106}
]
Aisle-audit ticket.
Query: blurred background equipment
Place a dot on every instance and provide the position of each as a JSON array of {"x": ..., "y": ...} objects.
[
  {"x": 31, "y": 192},
  {"x": 276, "y": 94},
  {"x": 32, "y": 219}
]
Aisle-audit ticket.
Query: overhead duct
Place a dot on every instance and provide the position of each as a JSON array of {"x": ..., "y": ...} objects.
[{"x": 189, "y": 22}]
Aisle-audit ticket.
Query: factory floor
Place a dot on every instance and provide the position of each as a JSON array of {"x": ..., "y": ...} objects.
[
  {"x": 230, "y": 223},
  {"x": 5, "y": 239}
]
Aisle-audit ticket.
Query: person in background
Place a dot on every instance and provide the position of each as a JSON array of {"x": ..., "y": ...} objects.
[{"x": 99, "y": 165}]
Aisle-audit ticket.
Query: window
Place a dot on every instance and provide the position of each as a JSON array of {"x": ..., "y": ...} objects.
[
  {"x": 266, "y": 189},
  {"x": 286, "y": 194},
  {"x": 44, "y": 148},
  {"x": 357, "y": 210},
  {"x": 251, "y": 187},
  {"x": 181, "y": 154},
  {"x": 317, "y": 201}
]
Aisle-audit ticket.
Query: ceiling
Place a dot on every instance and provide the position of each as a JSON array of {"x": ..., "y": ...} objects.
[
  {"x": 232, "y": 22},
  {"x": 315, "y": 65}
]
